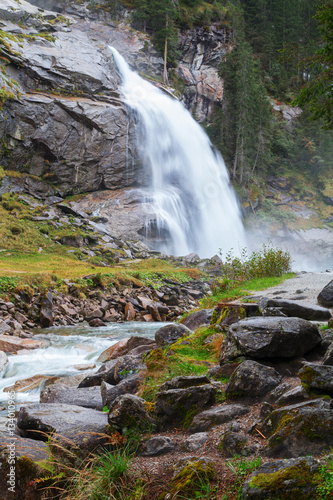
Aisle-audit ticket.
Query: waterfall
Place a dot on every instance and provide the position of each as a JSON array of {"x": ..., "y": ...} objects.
[{"x": 195, "y": 207}]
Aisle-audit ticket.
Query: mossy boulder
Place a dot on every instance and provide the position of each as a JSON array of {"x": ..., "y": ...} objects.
[
  {"x": 251, "y": 379},
  {"x": 318, "y": 377},
  {"x": 226, "y": 314},
  {"x": 190, "y": 478},
  {"x": 22, "y": 479},
  {"x": 293, "y": 479},
  {"x": 130, "y": 412},
  {"x": 300, "y": 429},
  {"x": 178, "y": 400},
  {"x": 233, "y": 443}
]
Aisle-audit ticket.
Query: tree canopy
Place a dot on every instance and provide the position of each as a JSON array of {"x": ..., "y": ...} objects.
[{"x": 318, "y": 92}]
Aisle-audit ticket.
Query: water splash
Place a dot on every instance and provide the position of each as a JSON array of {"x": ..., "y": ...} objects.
[{"x": 195, "y": 207}]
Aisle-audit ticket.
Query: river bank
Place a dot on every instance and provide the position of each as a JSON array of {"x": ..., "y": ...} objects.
[{"x": 196, "y": 398}]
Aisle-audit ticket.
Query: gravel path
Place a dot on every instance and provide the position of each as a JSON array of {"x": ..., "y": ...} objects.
[{"x": 305, "y": 286}]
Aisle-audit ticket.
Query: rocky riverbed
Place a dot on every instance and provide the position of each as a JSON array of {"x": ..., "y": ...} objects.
[{"x": 269, "y": 398}]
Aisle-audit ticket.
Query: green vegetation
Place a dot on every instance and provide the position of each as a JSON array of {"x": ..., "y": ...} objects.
[
  {"x": 190, "y": 355},
  {"x": 325, "y": 486},
  {"x": 318, "y": 92},
  {"x": 241, "y": 468}
]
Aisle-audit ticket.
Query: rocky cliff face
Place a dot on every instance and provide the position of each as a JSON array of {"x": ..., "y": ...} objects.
[
  {"x": 69, "y": 125},
  {"x": 202, "y": 50},
  {"x": 64, "y": 121}
]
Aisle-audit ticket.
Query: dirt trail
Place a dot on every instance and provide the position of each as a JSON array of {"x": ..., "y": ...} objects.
[{"x": 305, "y": 287}]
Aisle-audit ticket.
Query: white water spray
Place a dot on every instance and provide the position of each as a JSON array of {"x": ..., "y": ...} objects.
[{"x": 196, "y": 208}]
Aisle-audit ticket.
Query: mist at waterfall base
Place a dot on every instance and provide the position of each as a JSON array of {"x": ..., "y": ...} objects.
[{"x": 195, "y": 207}]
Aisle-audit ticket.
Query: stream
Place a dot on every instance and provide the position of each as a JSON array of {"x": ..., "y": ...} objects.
[{"x": 67, "y": 347}]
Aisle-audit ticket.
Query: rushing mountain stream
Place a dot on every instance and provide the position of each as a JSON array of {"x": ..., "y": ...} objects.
[{"x": 67, "y": 351}]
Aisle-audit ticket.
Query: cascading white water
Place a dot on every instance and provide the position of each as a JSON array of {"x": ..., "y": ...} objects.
[
  {"x": 69, "y": 347},
  {"x": 190, "y": 193}
]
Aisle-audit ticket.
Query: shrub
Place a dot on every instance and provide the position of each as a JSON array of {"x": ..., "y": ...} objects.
[{"x": 267, "y": 262}]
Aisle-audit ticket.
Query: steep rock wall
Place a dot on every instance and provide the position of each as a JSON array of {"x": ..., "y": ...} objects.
[{"x": 69, "y": 125}]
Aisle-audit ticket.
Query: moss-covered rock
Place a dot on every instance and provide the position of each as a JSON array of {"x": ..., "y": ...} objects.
[
  {"x": 301, "y": 429},
  {"x": 180, "y": 405},
  {"x": 233, "y": 443},
  {"x": 18, "y": 480},
  {"x": 190, "y": 478},
  {"x": 293, "y": 479},
  {"x": 129, "y": 412},
  {"x": 317, "y": 377}
]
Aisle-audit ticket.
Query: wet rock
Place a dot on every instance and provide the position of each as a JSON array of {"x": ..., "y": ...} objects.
[
  {"x": 284, "y": 479},
  {"x": 300, "y": 429},
  {"x": 96, "y": 323},
  {"x": 273, "y": 311},
  {"x": 303, "y": 310},
  {"x": 136, "y": 341},
  {"x": 88, "y": 397},
  {"x": 11, "y": 344},
  {"x": 158, "y": 445},
  {"x": 265, "y": 409},
  {"x": 95, "y": 314},
  {"x": 46, "y": 310},
  {"x": 20, "y": 318},
  {"x": 105, "y": 372},
  {"x": 269, "y": 338},
  {"x": 198, "y": 318},
  {"x": 251, "y": 379},
  {"x": 27, "y": 384},
  {"x": 130, "y": 412},
  {"x": 170, "y": 333},
  {"x": 218, "y": 415},
  {"x": 114, "y": 351},
  {"x": 325, "y": 297},
  {"x": 318, "y": 377},
  {"x": 25, "y": 484},
  {"x": 85, "y": 367}
]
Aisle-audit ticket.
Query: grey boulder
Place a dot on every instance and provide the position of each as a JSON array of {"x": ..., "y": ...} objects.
[
  {"x": 217, "y": 415},
  {"x": 251, "y": 379},
  {"x": 170, "y": 333},
  {"x": 269, "y": 337},
  {"x": 325, "y": 297}
]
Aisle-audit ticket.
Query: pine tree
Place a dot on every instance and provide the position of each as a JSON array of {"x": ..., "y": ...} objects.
[{"x": 318, "y": 93}]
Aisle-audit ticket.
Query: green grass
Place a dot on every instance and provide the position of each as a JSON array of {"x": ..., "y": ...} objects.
[
  {"x": 190, "y": 355},
  {"x": 233, "y": 292}
]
